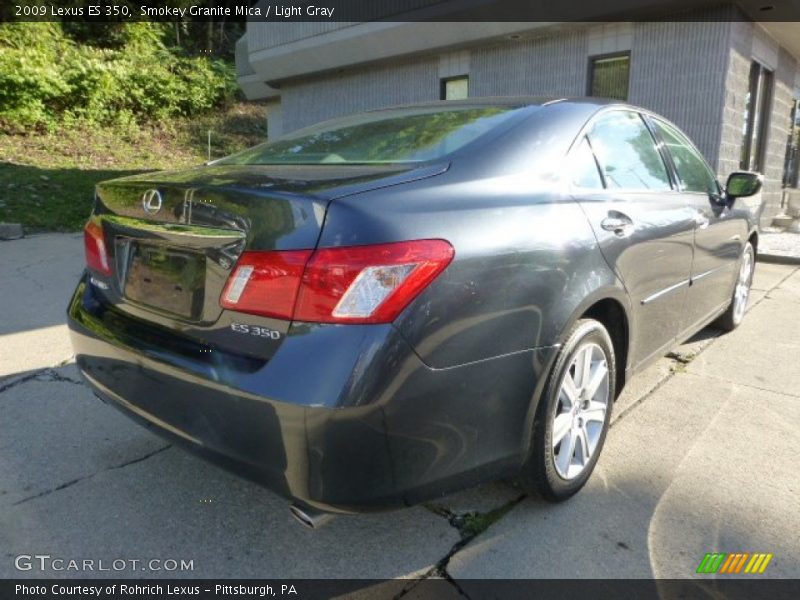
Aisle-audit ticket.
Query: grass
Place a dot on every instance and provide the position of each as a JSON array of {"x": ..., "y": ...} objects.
[
  {"x": 476, "y": 523},
  {"x": 47, "y": 179},
  {"x": 472, "y": 524}
]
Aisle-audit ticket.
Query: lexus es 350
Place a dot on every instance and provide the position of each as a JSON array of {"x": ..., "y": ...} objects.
[{"x": 388, "y": 307}]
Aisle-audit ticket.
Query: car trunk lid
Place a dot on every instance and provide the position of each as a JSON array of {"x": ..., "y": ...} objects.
[{"x": 173, "y": 239}]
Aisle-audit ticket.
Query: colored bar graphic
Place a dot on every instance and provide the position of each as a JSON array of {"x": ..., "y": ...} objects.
[
  {"x": 711, "y": 562},
  {"x": 703, "y": 564},
  {"x": 754, "y": 564},
  {"x": 729, "y": 563},
  {"x": 742, "y": 560},
  {"x": 764, "y": 564}
]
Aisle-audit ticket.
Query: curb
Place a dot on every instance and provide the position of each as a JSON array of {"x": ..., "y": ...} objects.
[
  {"x": 778, "y": 259},
  {"x": 11, "y": 231}
]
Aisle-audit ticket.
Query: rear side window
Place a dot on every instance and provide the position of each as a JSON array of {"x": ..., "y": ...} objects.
[
  {"x": 392, "y": 136},
  {"x": 627, "y": 153},
  {"x": 693, "y": 171},
  {"x": 583, "y": 170}
]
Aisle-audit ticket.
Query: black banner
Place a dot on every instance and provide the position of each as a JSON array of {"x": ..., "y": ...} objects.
[
  {"x": 395, "y": 10},
  {"x": 366, "y": 589}
]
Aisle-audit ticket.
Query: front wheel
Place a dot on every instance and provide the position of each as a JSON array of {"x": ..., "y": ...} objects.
[
  {"x": 733, "y": 316},
  {"x": 573, "y": 415}
]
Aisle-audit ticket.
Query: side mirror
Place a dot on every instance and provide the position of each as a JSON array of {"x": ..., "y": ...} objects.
[{"x": 742, "y": 184}]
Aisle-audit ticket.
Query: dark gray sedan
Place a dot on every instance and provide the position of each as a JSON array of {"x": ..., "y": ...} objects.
[{"x": 381, "y": 309}]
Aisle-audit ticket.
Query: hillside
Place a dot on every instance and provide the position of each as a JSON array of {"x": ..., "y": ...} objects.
[
  {"x": 47, "y": 179},
  {"x": 80, "y": 103}
]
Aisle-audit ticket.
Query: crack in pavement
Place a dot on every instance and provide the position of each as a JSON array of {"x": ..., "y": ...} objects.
[
  {"x": 15, "y": 382},
  {"x": 46, "y": 374},
  {"x": 47, "y": 259},
  {"x": 469, "y": 525},
  {"x": 433, "y": 572},
  {"x": 85, "y": 477},
  {"x": 681, "y": 360},
  {"x": 20, "y": 271},
  {"x": 53, "y": 375},
  {"x": 685, "y": 359}
]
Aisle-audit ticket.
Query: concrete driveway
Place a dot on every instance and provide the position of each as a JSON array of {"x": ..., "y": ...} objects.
[{"x": 702, "y": 457}]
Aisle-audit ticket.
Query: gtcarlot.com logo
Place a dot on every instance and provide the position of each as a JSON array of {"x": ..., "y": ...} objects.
[
  {"x": 727, "y": 563},
  {"x": 46, "y": 562}
]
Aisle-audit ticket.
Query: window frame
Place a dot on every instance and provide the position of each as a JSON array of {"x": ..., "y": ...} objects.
[
  {"x": 443, "y": 81},
  {"x": 665, "y": 159},
  {"x": 591, "y": 69},
  {"x": 791, "y": 161},
  {"x": 573, "y": 187},
  {"x": 761, "y": 89}
]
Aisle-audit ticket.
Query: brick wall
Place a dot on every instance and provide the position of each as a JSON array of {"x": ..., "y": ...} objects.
[
  {"x": 736, "y": 87},
  {"x": 779, "y": 127},
  {"x": 678, "y": 70},
  {"x": 555, "y": 65},
  {"x": 749, "y": 42},
  {"x": 310, "y": 100}
]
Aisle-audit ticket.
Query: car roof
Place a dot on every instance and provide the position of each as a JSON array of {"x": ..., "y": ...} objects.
[{"x": 517, "y": 101}]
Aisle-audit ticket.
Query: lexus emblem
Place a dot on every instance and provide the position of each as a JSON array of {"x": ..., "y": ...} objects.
[{"x": 152, "y": 201}]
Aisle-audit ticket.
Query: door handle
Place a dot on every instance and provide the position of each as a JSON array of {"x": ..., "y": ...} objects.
[
  {"x": 701, "y": 220},
  {"x": 621, "y": 225}
]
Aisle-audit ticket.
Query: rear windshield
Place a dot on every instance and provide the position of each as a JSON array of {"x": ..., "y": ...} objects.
[{"x": 390, "y": 136}]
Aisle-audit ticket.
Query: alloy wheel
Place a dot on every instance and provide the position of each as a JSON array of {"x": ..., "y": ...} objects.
[
  {"x": 745, "y": 279},
  {"x": 581, "y": 410}
]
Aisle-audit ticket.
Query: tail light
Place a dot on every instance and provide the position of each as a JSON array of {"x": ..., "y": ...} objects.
[
  {"x": 357, "y": 284},
  {"x": 266, "y": 283},
  {"x": 368, "y": 284},
  {"x": 95, "y": 246}
]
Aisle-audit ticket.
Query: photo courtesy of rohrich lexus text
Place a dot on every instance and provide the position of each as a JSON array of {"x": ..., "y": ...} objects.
[{"x": 425, "y": 298}]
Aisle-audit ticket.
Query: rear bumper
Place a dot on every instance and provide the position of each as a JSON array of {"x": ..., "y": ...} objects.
[{"x": 341, "y": 418}]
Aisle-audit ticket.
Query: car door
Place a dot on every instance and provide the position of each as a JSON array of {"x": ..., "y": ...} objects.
[
  {"x": 643, "y": 226},
  {"x": 719, "y": 232}
]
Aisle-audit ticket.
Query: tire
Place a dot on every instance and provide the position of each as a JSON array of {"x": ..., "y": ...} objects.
[
  {"x": 732, "y": 317},
  {"x": 551, "y": 471}
]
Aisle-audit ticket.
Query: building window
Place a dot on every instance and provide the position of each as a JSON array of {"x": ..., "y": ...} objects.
[
  {"x": 609, "y": 76},
  {"x": 454, "y": 88},
  {"x": 756, "y": 118},
  {"x": 791, "y": 166}
]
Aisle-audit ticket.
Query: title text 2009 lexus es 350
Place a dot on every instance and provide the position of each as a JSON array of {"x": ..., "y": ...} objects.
[{"x": 384, "y": 308}]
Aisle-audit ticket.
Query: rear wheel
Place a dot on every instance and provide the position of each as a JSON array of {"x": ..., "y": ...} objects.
[
  {"x": 573, "y": 415},
  {"x": 732, "y": 317}
]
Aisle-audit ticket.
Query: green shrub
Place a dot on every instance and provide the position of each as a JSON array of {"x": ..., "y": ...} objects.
[{"x": 46, "y": 79}]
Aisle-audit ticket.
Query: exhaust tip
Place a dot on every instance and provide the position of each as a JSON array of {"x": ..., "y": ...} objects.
[{"x": 308, "y": 517}]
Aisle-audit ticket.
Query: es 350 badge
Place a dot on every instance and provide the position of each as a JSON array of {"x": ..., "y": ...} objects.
[{"x": 263, "y": 332}]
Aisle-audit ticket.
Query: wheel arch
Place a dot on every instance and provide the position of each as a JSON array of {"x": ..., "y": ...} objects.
[
  {"x": 611, "y": 307},
  {"x": 753, "y": 239}
]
